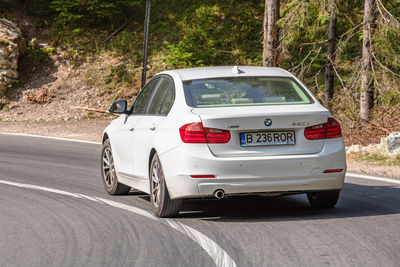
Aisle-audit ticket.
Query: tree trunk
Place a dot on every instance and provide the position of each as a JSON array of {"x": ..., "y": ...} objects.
[
  {"x": 329, "y": 74},
  {"x": 367, "y": 77},
  {"x": 271, "y": 33}
]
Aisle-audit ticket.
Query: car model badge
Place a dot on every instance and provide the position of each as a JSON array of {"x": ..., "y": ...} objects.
[{"x": 268, "y": 122}]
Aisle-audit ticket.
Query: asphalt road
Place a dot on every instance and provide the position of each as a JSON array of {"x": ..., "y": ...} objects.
[{"x": 43, "y": 227}]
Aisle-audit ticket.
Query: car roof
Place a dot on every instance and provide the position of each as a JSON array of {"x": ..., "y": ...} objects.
[{"x": 229, "y": 71}]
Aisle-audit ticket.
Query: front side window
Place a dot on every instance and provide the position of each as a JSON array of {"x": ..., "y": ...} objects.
[
  {"x": 244, "y": 91},
  {"x": 143, "y": 97}
]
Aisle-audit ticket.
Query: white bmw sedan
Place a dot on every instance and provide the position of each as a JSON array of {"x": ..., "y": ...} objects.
[{"x": 223, "y": 131}]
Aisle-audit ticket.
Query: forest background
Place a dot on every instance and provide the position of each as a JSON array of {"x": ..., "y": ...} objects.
[{"x": 346, "y": 52}]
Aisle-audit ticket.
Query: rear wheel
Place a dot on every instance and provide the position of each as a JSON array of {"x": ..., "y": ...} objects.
[
  {"x": 324, "y": 199},
  {"x": 110, "y": 180},
  {"x": 163, "y": 205}
]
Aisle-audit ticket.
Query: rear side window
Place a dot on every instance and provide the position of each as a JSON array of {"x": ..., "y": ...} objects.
[
  {"x": 244, "y": 91},
  {"x": 157, "y": 101},
  {"x": 142, "y": 99},
  {"x": 168, "y": 102}
]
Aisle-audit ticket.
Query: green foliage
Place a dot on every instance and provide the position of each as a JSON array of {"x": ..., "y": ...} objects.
[
  {"x": 221, "y": 32},
  {"x": 198, "y": 45},
  {"x": 91, "y": 12}
]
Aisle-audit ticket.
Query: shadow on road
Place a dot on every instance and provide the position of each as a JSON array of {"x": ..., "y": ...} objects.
[{"x": 355, "y": 201}]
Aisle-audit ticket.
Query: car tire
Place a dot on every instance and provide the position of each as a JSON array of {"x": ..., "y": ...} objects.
[
  {"x": 324, "y": 199},
  {"x": 163, "y": 205},
  {"x": 110, "y": 180}
]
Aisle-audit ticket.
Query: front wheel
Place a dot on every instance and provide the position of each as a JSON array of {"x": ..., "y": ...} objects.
[
  {"x": 323, "y": 199},
  {"x": 110, "y": 180},
  {"x": 163, "y": 205}
]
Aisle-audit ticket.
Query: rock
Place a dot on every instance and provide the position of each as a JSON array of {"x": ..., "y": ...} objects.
[
  {"x": 373, "y": 149},
  {"x": 391, "y": 143},
  {"x": 11, "y": 32},
  {"x": 12, "y": 45}
]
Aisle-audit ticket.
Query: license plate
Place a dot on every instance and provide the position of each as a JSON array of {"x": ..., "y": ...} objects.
[{"x": 267, "y": 138}]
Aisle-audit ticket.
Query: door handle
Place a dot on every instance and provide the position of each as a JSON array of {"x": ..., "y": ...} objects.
[{"x": 152, "y": 127}]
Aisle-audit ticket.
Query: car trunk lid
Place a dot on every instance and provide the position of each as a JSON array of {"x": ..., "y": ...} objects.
[{"x": 284, "y": 119}]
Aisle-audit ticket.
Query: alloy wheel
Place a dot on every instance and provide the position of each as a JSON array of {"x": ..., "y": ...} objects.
[
  {"x": 108, "y": 167},
  {"x": 156, "y": 187}
]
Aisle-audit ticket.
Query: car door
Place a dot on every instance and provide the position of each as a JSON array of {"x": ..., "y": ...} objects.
[
  {"x": 159, "y": 105},
  {"x": 124, "y": 148}
]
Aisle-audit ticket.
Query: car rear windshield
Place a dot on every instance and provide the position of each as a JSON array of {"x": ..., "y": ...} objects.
[{"x": 244, "y": 91}]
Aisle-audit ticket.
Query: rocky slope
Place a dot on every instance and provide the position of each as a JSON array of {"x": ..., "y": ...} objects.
[{"x": 12, "y": 46}]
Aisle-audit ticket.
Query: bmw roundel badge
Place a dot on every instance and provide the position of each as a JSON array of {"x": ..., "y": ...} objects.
[{"x": 268, "y": 122}]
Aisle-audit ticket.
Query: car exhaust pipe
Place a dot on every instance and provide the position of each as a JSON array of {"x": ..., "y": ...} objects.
[{"x": 219, "y": 193}]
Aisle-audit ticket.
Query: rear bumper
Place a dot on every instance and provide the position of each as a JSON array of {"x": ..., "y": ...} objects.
[
  {"x": 236, "y": 175},
  {"x": 278, "y": 185}
]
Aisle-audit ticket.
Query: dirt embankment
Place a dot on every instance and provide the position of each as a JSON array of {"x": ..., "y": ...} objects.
[{"x": 53, "y": 93}]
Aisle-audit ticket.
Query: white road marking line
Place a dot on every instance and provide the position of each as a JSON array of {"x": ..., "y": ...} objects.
[
  {"x": 218, "y": 254},
  {"x": 221, "y": 258},
  {"x": 375, "y": 178},
  {"x": 54, "y": 138}
]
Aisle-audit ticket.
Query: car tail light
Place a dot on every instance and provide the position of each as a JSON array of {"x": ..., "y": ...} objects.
[
  {"x": 331, "y": 129},
  {"x": 196, "y": 133}
]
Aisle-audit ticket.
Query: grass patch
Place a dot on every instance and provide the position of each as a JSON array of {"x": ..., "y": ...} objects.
[{"x": 376, "y": 159}]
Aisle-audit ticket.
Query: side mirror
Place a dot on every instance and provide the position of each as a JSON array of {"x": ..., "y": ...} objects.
[{"x": 118, "y": 107}]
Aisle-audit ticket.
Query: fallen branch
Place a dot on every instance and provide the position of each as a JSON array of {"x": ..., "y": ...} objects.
[
  {"x": 91, "y": 109},
  {"x": 94, "y": 110}
]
